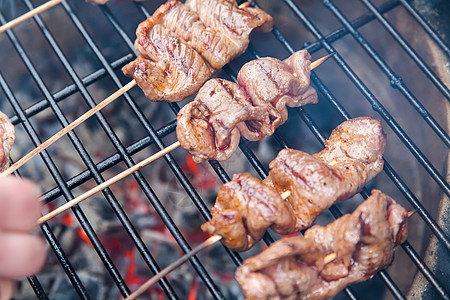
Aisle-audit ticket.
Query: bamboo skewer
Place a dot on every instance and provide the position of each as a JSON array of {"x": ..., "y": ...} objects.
[
  {"x": 29, "y": 14},
  {"x": 91, "y": 112},
  {"x": 119, "y": 176},
  {"x": 69, "y": 127},
  {"x": 107, "y": 183},
  {"x": 210, "y": 241}
]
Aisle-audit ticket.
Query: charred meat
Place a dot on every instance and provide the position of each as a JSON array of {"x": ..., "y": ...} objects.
[
  {"x": 7, "y": 139},
  {"x": 211, "y": 125},
  {"x": 182, "y": 45},
  {"x": 352, "y": 157},
  {"x": 361, "y": 244}
]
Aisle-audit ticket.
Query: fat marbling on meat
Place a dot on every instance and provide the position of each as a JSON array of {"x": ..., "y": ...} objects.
[
  {"x": 182, "y": 45},
  {"x": 295, "y": 268},
  {"x": 7, "y": 139},
  {"x": 210, "y": 126},
  {"x": 352, "y": 157}
]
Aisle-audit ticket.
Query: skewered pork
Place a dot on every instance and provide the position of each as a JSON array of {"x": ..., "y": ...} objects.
[
  {"x": 296, "y": 268},
  {"x": 7, "y": 139},
  {"x": 210, "y": 126},
  {"x": 244, "y": 209},
  {"x": 182, "y": 45}
]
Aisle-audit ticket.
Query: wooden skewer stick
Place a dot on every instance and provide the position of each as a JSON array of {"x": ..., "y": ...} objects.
[
  {"x": 212, "y": 240},
  {"x": 115, "y": 178},
  {"x": 181, "y": 260},
  {"x": 91, "y": 112},
  {"x": 69, "y": 127},
  {"x": 107, "y": 183},
  {"x": 29, "y": 14}
]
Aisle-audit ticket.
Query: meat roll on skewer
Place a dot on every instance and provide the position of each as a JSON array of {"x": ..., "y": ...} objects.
[
  {"x": 7, "y": 139},
  {"x": 245, "y": 207},
  {"x": 182, "y": 45},
  {"x": 361, "y": 243},
  {"x": 210, "y": 126}
]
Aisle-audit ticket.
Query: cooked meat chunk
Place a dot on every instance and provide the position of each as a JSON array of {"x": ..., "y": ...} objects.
[
  {"x": 246, "y": 200},
  {"x": 315, "y": 182},
  {"x": 206, "y": 127},
  {"x": 7, "y": 139},
  {"x": 295, "y": 268},
  {"x": 254, "y": 109},
  {"x": 351, "y": 158},
  {"x": 269, "y": 81},
  {"x": 179, "y": 49}
]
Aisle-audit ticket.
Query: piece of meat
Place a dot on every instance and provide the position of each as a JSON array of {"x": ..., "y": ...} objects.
[
  {"x": 255, "y": 108},
  {"x": 295, "y": 268},
  {"x": 244, "y": 209},
  {"x": 7, "y": 138},
  {"x": 179, "y": 51},
  {"x": 315, "y": 182},
  {"x": 206, "y": 127},
  {"x": 269, "y": 81}
]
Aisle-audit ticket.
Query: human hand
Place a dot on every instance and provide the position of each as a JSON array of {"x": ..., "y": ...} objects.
[{"x": 21, "y": 253}]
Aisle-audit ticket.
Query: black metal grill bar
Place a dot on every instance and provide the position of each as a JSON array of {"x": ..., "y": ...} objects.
[
  {"x": 337, "y": 213},
  {"x": 37, "y": 287},
  {"x": 357, "y": 23},
  {"x": 122, "y": 216},
  {"x": 87, "y": 80},
  {"x": 396, "y": 81},
  {"x": 60, "y": 255},
  {"x": 376, "y": 105},
  {"x": 437, "y": 230},
  {"x": 431, "y": 32},
  {"x": 321, "y": 43},
  {"x": 425, "y": 270},
  {"x": 414, "y": 56},
  {"x": 99, "y": 248},
  {"x": 177, "y": 170},
  {"x": 109, "y": 162},
  {"x": 71, "y": 89}
]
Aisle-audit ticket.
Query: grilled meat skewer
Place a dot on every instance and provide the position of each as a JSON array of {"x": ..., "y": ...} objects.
[
  {"x": 245, "y": 207},
  {"x": 182, "y": 45},
  {"x": 7, "y": 138},
  {"x": 362, "y": 243},
  {"x": 210, "y": 126}
]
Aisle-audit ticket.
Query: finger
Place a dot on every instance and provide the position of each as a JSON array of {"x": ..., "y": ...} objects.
[
  {"x": 19, "y": 204},
  {"x": 20, "y": 255},
  {"x": 6, "y": 289}
]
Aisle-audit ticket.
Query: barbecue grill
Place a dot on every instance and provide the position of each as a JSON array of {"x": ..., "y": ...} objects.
[{"x": 391, "y": 62}]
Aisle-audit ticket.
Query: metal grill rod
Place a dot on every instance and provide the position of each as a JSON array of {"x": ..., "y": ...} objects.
[
  {"x": 156, "y": 203},
  {"x": 115, "y": 158},
  {"x": 80, "y": 216},
  {"x": 414, "y": 56},
  {"x": 373, "y": 101},
  {"x": 395, "y": 80},
  {"x": 431, "y": 32},
  {"x": 62, "y": 258},
  {"x": 364, "y": 193},
  {"x": 418, "y": 263}
]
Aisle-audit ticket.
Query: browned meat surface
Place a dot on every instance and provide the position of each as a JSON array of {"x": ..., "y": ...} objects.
[
  {"x": 246, "y": 198},
  {"x": 180, "y": 46},
  {"x": 294, "y": 268},
  {"x": 206, "y": 127},
  {"x": 315, "y": 183},
  {"x": 7, "y": 139},
  {"x": 254, "y": 109},
  {"x": 269, "y": 81}
]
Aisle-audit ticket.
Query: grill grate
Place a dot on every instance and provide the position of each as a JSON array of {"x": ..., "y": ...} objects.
[{"x": 123, "y": 155}]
